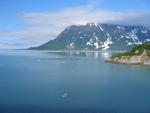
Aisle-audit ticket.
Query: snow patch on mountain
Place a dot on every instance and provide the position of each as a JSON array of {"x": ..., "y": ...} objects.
[
  {"x": 144, "y": 31},
  {"x": 94, "y": 41},
  {"x": 80, "y": 32},
  {"x": 147, "y": 39},
  {"x": 107, "y": 43},
  {"x": 129, "y": 43},
  {"x": 71, "y": 45},
  {"x": 82, "y": 37},
  {"x": 128, "y": 37},
  {"x": 122, "y": 36},
  {"x": 120, "y": 27},
  {"x": 134, "y": 37},
  {"x": 96, "y": 45},
  {"x": 90, "y": 43},
  {"x": 94, "y": 36},
  {"x": 101, "y": 28}
]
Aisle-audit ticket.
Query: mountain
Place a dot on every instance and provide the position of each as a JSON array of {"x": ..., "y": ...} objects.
[
  {"x": 98, "y": 36},
  {"x": 139, "y": 54}
]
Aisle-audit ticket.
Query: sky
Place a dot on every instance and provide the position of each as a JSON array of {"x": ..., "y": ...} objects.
[{"x": 28, "y": 23}]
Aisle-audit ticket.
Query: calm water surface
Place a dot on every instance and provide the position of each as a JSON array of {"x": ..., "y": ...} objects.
[{"x": 71, "y": 82}]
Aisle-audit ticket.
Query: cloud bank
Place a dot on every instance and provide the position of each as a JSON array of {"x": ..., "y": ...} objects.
[{"x": 44, "y": 26}]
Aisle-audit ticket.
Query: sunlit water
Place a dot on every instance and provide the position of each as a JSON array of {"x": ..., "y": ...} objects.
[{"x": 71, "y": 82}]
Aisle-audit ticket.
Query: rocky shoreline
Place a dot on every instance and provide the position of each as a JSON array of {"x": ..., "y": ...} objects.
[{"x": 144, "y": 59}]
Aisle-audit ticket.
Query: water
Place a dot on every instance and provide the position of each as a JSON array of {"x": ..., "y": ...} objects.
[{"x": 71, "y": 82}]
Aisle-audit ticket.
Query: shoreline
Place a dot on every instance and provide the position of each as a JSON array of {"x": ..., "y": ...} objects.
[{"x": 131, "y": 60}]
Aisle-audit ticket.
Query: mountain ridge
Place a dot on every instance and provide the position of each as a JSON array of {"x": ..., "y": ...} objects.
[{"x": 98, "y": 37}]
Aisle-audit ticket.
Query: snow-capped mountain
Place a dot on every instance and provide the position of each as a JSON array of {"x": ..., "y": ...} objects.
[{"x": 101, "y": 36}]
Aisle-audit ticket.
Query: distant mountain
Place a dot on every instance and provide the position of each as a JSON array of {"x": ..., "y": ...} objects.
[{"x": 98, "y": 37}]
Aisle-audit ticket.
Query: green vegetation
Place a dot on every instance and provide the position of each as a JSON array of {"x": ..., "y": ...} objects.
[
  {"x": 137, "y": 50},
  {"x": 140, "y": 48},
  {"x": 129, "y": 53}
]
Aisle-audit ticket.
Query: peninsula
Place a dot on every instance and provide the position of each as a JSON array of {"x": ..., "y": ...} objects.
[{"x": 139, "y": 54}]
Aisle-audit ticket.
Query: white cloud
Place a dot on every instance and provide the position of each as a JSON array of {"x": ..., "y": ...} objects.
[{"x": 45, "y": 26}]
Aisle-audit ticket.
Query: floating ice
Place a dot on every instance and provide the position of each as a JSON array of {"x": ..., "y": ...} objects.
[{"x": 64, "y": 95}]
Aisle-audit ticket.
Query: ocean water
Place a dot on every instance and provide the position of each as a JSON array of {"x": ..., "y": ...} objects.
[{"x": 71, "y": 82}]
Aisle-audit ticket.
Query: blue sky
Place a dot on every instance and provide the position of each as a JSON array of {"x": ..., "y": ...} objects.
[{"x": 21, "y": 20}]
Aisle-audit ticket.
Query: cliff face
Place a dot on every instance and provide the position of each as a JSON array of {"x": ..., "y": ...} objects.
[{"x": 143, "y": 58}]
